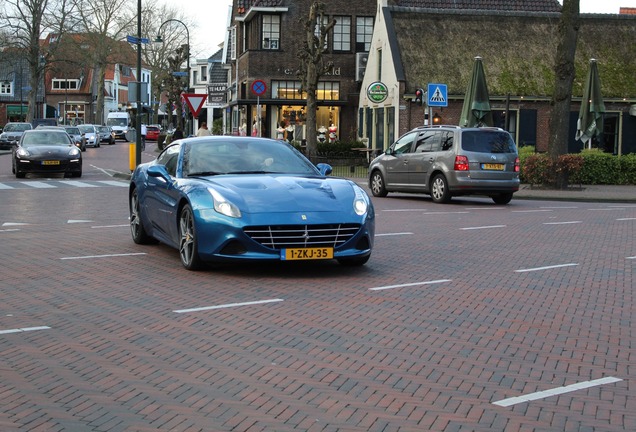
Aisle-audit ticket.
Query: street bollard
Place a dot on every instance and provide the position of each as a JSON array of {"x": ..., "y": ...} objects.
[{"x": 132, "y": 155}]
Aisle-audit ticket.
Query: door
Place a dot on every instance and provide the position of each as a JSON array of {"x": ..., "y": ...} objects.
[
  {"x": 421, "y": 160},
  {"x": 396, "y": 161}
]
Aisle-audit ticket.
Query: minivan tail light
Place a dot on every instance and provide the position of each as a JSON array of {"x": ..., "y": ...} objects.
[
  {"x": 517, "y": 168},
  {"x": 461, "y": 163}
]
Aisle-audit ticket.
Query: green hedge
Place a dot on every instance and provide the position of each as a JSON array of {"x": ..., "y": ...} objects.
[{"x": 587, "y": 167}]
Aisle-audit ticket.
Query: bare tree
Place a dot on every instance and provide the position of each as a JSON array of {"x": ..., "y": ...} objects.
[
  {"x": 168, "y": 56},
  {"x": 313, "y": 65},
  {"x": 23, "y": 23},
  {"x": 564, "y": 77},
  {"x": 105, "y": 23}
]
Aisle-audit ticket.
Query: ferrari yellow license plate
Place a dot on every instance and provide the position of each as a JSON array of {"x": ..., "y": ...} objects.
[
  {"x": 51, "y": 162},
  {"x": 493, "y": 167},
  {"x": 307, "y": 254}
]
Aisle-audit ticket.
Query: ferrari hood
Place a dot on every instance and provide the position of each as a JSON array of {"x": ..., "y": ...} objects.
[{"x": 284, "y": 193}]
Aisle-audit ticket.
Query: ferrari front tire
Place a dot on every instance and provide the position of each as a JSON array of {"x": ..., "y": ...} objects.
[
  {"x": 139, "y": 234},
  {"x": 188, "y": 243}
]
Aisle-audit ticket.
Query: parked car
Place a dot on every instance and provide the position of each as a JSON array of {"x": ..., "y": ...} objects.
[
  {"x": 447, "y": 161},
  {"x": 152, "y": 132},
  {"x": 240, "y": 199},
  {"x": 90, "y": 134},
  {"x": 106, "y": 134},
  {"x": 12, "y": 132},
  {"x": 46, "y": 151}
]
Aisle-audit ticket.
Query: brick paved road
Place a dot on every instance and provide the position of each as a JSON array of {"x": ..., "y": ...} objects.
[{"x": 460, "y": 306}]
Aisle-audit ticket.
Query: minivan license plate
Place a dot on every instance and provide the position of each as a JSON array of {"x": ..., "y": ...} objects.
[
  {"x": 306, "y": 254},
  {"x": 495, "y": 167}
]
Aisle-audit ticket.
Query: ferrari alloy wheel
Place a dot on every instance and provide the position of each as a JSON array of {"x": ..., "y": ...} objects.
[
  {"x": 188, "y": 239},
  {"x": 137, "y": 230}
]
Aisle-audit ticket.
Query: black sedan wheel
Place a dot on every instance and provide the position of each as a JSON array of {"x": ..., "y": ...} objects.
[
  {"x": 188, "y": 240},
  {"x": 137, "y": 230},
  {"x": 377, "y": 184}
]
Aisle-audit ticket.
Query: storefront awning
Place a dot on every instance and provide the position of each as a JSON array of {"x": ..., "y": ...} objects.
[{"x": 15, "y": 109}]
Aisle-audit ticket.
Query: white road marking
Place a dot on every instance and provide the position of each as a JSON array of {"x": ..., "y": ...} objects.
[
  {"x": 229, "y": 305},
  {"x": 531, "y": 211},
  {"x": 72, "y": 221},
  {"x": 4, "y": 186},
  {"x": 24, "y": 329},
  {"x": 79, "y": 184},
  {"x": 545, "y": 268},
  {"x": 14, "y": 224},
  {"x": 483, "y": 227},
  {"x": 555, "y": 391},
  {"x": 39, "y": 185},
  {"x": 632, "y": 257},
  {"x": 394, "y": 234},
  {"x": 10, "y": 230},
  {"x": 625, "y": 219},
  {"x": 111, "y": 226},
  {"x": 102, "y": 256},
  {"x": 562, "y": 223},
  {"x": 114, "y": 183},
  {"x": 425, "y": 212},
  {"x": 607, "y": 209},
  {"x": 558, "y": 208},
  {"x": 409, "y": 284}
]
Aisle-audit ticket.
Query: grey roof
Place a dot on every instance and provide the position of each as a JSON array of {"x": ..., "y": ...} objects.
[{"x": 498, "y": 5}]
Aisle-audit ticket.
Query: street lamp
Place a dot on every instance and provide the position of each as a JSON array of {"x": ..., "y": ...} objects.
[{"x": 159, "y": 39}]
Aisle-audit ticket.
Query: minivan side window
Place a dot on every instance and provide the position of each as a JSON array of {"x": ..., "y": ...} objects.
[
  {"x": 447, "y": 140},
  {"x": 428, "y": 141},
  {"x": 403, "y": 144}
]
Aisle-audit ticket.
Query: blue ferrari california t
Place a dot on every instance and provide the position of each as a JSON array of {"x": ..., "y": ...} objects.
[{"x": 236, "y": 199}]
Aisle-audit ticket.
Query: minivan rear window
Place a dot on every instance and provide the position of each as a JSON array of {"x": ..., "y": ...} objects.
[{"x": 488, "y": 142}]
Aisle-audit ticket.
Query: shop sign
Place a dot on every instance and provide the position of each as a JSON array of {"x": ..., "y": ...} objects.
[{"x": 377, "y": 92}]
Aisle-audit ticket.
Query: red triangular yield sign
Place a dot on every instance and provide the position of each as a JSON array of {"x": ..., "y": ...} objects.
[{"x": 195, "y": 101}]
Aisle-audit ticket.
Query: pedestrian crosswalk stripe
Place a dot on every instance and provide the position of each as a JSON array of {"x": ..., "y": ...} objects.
[
  {"x": 39, "y": 185},
  {"x": 61, "y": 184}
]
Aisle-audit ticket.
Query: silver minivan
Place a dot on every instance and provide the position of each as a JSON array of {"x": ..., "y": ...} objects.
[{"x": 447, "y": 161}]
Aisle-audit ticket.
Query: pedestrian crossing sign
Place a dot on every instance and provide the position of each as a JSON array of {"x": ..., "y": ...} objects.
[{"x": 437, "y": 95}]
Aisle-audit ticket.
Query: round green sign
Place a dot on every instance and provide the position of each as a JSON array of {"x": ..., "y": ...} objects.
[{"x": 377, "y": 92}]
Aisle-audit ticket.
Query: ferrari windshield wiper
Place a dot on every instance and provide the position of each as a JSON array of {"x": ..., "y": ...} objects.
[{"x": 203, "y": 173}]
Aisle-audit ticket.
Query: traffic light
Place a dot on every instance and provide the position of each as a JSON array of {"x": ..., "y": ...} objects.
[{"x": 419, "y": 96}]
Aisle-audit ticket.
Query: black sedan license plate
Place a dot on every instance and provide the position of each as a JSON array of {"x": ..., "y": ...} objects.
[
  {"x": 492, "y": 166},
  {"x": 51, "y": 162},
  {"x": 306, "y": 254}
]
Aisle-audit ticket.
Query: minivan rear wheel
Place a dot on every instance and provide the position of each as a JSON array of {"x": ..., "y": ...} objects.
[
  {"x": 377, "y": 184},
  {"x": 503, "y": 198},
  {"x": 439, "y": 189}
]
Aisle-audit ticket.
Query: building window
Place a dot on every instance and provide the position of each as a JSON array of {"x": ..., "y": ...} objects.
[
  {"x": 233, "y": 43},
  {"x": 342, "y": 34},
  {"x": 328, "y": 91},
  {"x": 65, "y": 84},
  {"x": 287, "y": 90},
  {"x": 271, "y": 32},
  {"x": 6, "y": 88},
  {"x": 325, "y": 21},
  {"x": 195, "y": 76},
  {"x": 204, "y": 73},
  {"x": 364, "y": 33}
]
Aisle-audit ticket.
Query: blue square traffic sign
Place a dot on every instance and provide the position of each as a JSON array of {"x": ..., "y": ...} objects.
[{"x": 437, "y": 95}]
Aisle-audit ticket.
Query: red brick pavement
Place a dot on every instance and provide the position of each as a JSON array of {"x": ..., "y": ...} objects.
[{"x": 333, "y": 355}]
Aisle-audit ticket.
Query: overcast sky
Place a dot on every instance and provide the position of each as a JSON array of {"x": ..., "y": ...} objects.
[{"x": 211, "y": 19}]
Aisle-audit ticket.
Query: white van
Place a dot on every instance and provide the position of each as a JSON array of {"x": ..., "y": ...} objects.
[{"x": 120, "y": 122}]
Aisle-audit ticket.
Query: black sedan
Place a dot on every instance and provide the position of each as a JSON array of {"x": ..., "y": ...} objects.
[{"x": 47, "y": 151}]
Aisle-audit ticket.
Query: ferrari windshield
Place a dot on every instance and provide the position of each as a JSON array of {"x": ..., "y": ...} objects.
[{"x": 243, "y": 156}]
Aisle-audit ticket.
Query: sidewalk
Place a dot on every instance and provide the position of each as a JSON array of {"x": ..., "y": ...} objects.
[{"x": 606, "y": 193}]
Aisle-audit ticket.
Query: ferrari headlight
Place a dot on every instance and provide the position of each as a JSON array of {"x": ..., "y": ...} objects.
[
  {"x": 360, "y": 202},
  {"x": 223, "y": 206}
]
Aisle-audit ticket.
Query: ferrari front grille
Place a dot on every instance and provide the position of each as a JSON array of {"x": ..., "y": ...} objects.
[{"x": 300, "y": 236}]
